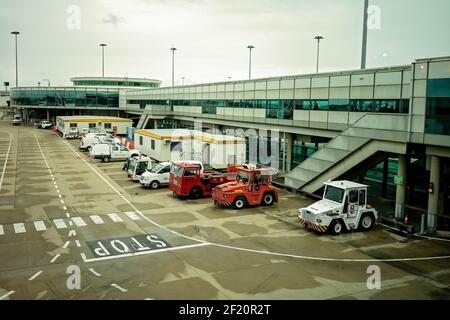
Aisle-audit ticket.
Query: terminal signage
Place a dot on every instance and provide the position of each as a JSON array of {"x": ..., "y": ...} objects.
[{"x": 126, "y": 245}]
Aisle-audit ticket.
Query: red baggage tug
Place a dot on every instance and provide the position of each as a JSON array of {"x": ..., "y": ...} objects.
[
  {"x": 189, "y": 180},
  {"x": 252, "y": 186}
]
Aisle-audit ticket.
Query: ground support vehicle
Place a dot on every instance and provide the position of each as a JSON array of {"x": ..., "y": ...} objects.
[
  {"x": 343, "y": 207},
  {"x": 108, "y": 152},
  {"x": 45, "y": 124},
  {"x": 157, "y": 176},
  {"x": 137, "y": 166},
  {"x": 17, "y": 120},
  {"x": 188, "y": 179},
  {"x": 88, "y": 140},
  {"x": 251, "y": 187}
]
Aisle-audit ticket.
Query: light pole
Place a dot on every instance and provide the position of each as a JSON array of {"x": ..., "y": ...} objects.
[
  {"x": 364, "y": 37},
  {"x": 250, "y": 62},
  {"x": 173, "y": 65},
  {"x": 16, "y": 33},
  {"x": 103, "y": 45},
  {"x": 318, "y": 38}
]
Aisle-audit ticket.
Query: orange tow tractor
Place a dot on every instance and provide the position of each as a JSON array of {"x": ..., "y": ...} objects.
[{"x": 251, "y": 187}]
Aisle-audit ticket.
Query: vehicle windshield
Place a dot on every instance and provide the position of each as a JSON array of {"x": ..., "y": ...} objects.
[
  {"x": 242, "y": 176},
  {"x": 156, "y": 168},
  {"x": 177, "y": 171},
  {"x": 334, "y": 194}
]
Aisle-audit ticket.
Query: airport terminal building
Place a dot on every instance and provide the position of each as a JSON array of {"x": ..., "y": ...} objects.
[{"x": 388, "y": 127}]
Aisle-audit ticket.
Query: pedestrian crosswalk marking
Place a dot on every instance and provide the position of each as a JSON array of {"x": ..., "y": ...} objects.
[
  {"x": 19, "y": 228},
  {"x": 60, "y": 224},
  {"x": 114, "y": 217},
  {"x": 78, "y": 221},
  {"x": 132, "y": 215},
  {"x": 40, "y": 225},
  {"x": 97, "y": 219}
]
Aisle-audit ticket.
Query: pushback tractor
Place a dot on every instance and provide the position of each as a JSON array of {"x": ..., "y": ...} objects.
[{"x": 343, "y": 208}]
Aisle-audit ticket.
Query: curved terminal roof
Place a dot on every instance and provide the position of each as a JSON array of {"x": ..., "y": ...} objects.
[{"x": 115, "y": 82}]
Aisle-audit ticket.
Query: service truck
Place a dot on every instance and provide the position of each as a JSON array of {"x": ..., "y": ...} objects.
[
  {"x": 137, "y": 166},
  {"x": 92, "y": 138},
  {"x": 190, "y": 179},
  {"x": 17, "y": 120},
  {"x": 157, "y": 176},
  {"x": 343, "y": 207},
  {"x": 107, "y": 152},
  {"x": 251, "y": 187}
]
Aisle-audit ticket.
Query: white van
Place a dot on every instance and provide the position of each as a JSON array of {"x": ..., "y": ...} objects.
[
  {"x": 90, "y": 139},
  {"x": 157, "y": 176},
  {"x": 17, "y": 120}
]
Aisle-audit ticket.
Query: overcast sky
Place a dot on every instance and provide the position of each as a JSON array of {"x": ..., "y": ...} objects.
[{"x": 212, "y": 37}]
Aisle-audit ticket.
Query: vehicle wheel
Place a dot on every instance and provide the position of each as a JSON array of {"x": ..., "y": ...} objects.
[
  {"x": 335, "y": 227},
  {"x": 154, "y": 184},
  {"x": 268, "y": 199},
  {"x": 106, "y": 159},
  {"x": 239, "y": 203},
  {"x": 195, "y": 193},
  {"x": 367, "y": 222}
]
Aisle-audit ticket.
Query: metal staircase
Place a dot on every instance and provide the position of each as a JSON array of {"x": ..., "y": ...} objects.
[{"x": 367, "y": 138}]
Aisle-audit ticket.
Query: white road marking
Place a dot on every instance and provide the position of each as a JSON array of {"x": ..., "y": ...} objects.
[
  {"x": 83, "y": 256},
  {"x": 78, "y": 221},
  {"x": 1, "y": 230},
  {"x": 6, "y": 160},
  {"x": 57, "y": 190},
  {"x": 59, "y": 223},
  {"x": 114, "y": 217},
  {"x": 67, "y": 215},
  {"x": 40, "y": 225},
  {"x": 55, "y": 257},
  {"x": 35, "y": 275},
  {"x": 70, "y": 223},
  {"x": 66, "y": 244},
  {"x": 77, "y": 242},
  {"x": 118, "y": 287},
  {"x": 54, "y": 182},
  {"x": 132, "y": 215},
  {"x": 72, "y": 233},
  {"x": 190, "y": 246},
  {"x": 62, "y": 201},
  {"x": 95, "y": 272},
  {"x": 19, "y": 228},
  {"x": 64, "y": 208},
  {"x": 60, "y": 196},
  {"x": 6, "y": 295},
  {"x": 97, "y": 219},
  {"x": 231, "y": 247}
]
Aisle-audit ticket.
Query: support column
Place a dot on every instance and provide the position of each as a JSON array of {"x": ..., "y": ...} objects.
[
  {"x": 155, "y": 126},
  {"x": 288, "y": 144},
  {"x": 385, "y": 178},
  {"x": 433, "y": 198},
  {"x": 401, "y": 187}
]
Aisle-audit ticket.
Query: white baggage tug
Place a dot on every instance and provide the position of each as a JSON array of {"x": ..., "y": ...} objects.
[{"x": 343, "y": 207}]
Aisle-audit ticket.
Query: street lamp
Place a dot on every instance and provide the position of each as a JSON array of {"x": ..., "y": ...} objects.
[
  {"x": 16, "y": 33},
  {"x": 250, "y": 62},
  {"x": 103, "y": 45},
  {"x": 318, "y": 38},
  {"x": 173, "y": 65},
  {"x": 364, "y": 37}
]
